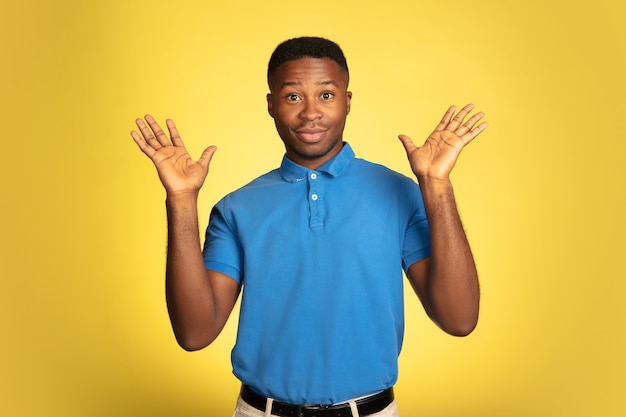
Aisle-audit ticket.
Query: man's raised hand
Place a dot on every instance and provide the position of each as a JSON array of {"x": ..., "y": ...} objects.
[
  {"x": 177, "y": 171},
  {"x": 435, "y": 159}
]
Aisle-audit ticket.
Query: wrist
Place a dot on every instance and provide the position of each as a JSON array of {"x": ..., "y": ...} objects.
[
  {"x": 430, "y": 184},
  {"x": 176, "y": 197}
]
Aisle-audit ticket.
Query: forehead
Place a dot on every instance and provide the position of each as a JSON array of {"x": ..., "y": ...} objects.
[{"x": 308, "y": 71}]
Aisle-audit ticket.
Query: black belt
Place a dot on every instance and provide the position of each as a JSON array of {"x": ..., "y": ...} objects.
[{"x": 366, "y": 406}]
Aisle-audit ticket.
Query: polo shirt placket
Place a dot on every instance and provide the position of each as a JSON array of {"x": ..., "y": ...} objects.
[{"x": 315, "y": 197}]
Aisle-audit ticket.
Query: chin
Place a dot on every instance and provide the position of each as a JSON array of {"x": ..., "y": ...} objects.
[{"x": 316, "y": 151}]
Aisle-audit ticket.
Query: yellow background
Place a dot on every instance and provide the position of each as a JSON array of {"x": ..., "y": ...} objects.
[{"x": 84, "y": 326}]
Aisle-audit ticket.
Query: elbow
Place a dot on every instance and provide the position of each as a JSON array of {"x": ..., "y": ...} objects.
[
  {"x": 192, "y": 343},
  {"x": 191, "y": 347},
  {"x": 460, "y": 328},
  {"x": 193, "y": 335},
  {"x": 457, "y": 325},
  {"x": 458, "y": 318}
]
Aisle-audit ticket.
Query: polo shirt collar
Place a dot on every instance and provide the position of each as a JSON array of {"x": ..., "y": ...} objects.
[{"x": 292, "y": 172}]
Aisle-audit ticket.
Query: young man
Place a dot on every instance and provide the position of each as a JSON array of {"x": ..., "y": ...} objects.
[{"x": 318, "y": 245}]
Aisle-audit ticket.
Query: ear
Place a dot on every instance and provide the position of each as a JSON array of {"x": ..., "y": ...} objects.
[
  {"x": 270, "y": 107},
  {"x": 348, "y": 101}
]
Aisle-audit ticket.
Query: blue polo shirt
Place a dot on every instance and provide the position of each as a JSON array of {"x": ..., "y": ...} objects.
[{"x": 319, "y": 255}]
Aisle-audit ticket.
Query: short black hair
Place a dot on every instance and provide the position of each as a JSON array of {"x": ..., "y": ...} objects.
[{"x": 305, "y": 47}]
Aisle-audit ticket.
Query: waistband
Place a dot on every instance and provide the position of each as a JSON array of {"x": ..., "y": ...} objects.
[{"x": 366, "y": 406}]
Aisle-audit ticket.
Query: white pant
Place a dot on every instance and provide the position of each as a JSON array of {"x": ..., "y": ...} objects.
[{"x": 246, "y": 410}]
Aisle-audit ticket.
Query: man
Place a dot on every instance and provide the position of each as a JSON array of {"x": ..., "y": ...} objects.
[{"x": 318, "y": 245}]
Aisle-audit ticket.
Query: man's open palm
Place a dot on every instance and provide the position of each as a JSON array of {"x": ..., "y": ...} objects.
[
  {"x": 177, "y": 171},
  {"x": 436, "y": 158}
]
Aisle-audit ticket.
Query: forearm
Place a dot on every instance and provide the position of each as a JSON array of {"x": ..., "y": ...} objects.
[
  {"x": 190, "y": 299},
  {"x": 453, "y": 290}
]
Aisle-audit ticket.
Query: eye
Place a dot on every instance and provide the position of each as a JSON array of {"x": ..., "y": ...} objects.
[
  {"x": 327, "y": 95},
  {"x": 293, "y": 97}
]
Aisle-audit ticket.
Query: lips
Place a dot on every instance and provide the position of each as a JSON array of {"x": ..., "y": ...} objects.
[{"x": 310, "y": 135}]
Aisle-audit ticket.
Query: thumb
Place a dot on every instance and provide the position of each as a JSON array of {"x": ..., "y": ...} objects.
[
  {"x": 409, "y": 146},
  {"x": 207, "y": 155}
]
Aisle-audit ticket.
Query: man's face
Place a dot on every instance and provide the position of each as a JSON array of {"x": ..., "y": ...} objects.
[{"x": 309, "y": 103}]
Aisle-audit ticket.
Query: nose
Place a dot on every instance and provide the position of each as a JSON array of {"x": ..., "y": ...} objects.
[{"x": 310, "y": 110}]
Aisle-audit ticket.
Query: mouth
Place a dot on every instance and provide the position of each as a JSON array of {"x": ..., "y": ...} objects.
[{"x": 310, "y": 135}]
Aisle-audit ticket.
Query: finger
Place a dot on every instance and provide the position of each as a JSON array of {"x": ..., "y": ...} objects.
[
  {"x": 469, "y": 124},
  {"x": 207, "y": 155},
  {"x": 460, "y": 116},
  {"x": 158, "y": 132},
  {"x": 143, "y": 145},
  {"x": 146, "y": 132},
  {"x": 409, "y": 146},
  {"x": 471, "y": 135},
  {"x": 171, "y": 127},
  {"x": 446, "y": 118}
]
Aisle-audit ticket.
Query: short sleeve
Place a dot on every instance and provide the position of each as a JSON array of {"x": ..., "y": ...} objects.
[
  {"x": 222, "y": 250},
  {"x": 417, "y": 237}
]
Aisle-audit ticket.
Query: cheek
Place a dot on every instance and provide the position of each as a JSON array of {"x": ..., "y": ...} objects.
[
  {"x": 339, "y": 115},
  {"x": 285, "y": 116},
  {"x": 282, "y": 122}
]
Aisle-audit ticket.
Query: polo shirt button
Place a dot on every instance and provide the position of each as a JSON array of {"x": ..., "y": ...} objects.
[
  {"x": 313, "y": 176},
  {"x": 313, "y": 197}
]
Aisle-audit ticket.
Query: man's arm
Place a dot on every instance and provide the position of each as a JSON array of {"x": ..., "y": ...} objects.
[
  {"x": 199, "y": 301},
  {"x": 447, "y": 282}
]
